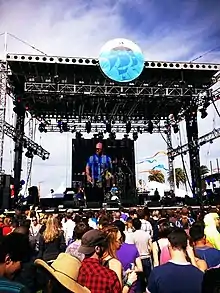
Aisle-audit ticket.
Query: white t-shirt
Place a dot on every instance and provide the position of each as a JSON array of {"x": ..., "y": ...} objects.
[{"x": 141, "y": 240}]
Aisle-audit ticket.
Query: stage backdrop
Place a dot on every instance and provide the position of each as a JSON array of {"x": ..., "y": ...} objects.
[{"x": 120, "y": 151}]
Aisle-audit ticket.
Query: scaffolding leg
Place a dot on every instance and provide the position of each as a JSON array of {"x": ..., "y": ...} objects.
[
  {"x": 3, "y": 97},
  {"x": 172, "y": 174}
]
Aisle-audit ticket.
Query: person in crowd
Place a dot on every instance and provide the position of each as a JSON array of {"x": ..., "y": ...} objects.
[
  {"x": 79, "y": 230},
  {"x": 160, "y": 247},
  {"x": 34, "y": 227},
  {"x": 209, "y": 254},
  {"x": 185, "y": 221},
  {"x": 61, "y": 276},
  {"x": 129, "y": 231},
  {"x": 211, "y": 221},
  {"x": 27, "y": 274},
  {"x": 94, "y": 276},
  {"x": 177, "y": 275},
  {"x": 145, "y": 224},
  {"x": 142, "y": 240},
  {"x": 68, "y": 226},
  {"x": 13, "y": 249},
  {"x": 52, "y": 242},
  {"x": 210, "y": 282},
  {"x": 92, "y": 220},
  {"x": 7, "y": 228}
]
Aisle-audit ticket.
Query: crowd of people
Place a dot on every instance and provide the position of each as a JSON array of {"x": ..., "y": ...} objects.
[{"x": 135, "y": 251}]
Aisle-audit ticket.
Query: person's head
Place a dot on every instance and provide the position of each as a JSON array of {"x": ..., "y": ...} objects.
[
  {"x": 136, "y": 223},
  {"x": 104, "y": 221},
  {"x": 129, "y": 223},
  {"x": 197, "y": 233},
  {"x": 93, "y": 244},
  {"x": 13, "y": 250},
  {"x": 177, "y": 241},
  {"x": 80, "y": 229},
  {"x": 164, "y": 230},
  {"x": 7, "y": 221},
  {"x": 52, "y": 229},
  {"x": 61, "y": 276},
  {"x": 99, "y": 148},
  {"x": 117, "y": 215},
  {"x": 114, "y": 240},
  {"x": 34, "y": 221},
  {"x": 211, "y": 220}
]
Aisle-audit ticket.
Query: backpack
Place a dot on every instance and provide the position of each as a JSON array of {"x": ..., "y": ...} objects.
[{"x": 163, "y": 254}]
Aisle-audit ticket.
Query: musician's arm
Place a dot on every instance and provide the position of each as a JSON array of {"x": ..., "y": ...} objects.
[
  {"x": 109, "y": 164},
  {"x": 88, "y": 176}
]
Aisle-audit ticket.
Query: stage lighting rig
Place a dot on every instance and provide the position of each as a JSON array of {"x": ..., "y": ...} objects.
[
  {"x": 88, "y": 126},
  {"x": 175, "y": 128},
  {"x": 29, "y": 154},
  {"x": 42, "y": 127},
  {"x": 135, "y": 136},
  {"x": 19, "y": 107},
  {"x": 108, "y": 127},
  {"x": 128, "y": 126},
  {"x": 204, "y": 113}
]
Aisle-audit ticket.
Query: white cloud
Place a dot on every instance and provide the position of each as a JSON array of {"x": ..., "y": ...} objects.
[{"x": 72, "y": 28}]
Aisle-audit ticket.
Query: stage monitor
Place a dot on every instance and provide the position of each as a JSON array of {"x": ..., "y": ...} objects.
[{"x": 121, "y": 153}]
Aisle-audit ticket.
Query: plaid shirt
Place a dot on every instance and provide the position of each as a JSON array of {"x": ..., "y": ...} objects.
[
  {"x": 97, "y": 278},
  {"x": 179, "y": 222}
]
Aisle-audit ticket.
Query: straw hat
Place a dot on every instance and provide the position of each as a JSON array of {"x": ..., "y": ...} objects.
[{"x": 65, "y": 269}]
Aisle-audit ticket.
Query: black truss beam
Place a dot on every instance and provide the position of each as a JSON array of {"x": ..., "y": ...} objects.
[
  {"x": 209, "y": 137},
  {"x": 10, "y": 131}
]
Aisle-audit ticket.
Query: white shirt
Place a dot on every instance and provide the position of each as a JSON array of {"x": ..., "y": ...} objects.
[
  {"x": 141, "y": 240},
  {"x": 92, "y": 224},
  {"x": 68, "y": 229},
  {"x": 146, "y": 226}
]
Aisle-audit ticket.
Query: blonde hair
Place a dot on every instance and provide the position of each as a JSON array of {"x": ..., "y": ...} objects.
[{"x": 52, "y": 230}]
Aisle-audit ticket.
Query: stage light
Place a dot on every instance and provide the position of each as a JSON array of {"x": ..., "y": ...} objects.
[
  {"x": 100, "y": 136},
  {"x": 78, "y": 135},
  {"x": 108, "y": 127},
  {"x": 29, "y": 154},
  {"x": 150, "y": 127},
  {"x": 204, "y": 113},
  {"x": 88, "y": 126},
  {"x": 19, "y": 108},
  {"x": 42, "y": 128},
  {"x": 128, "y": 126},
  {"x": 175, "y": 128},
  {"x": 135, "y": 136}
]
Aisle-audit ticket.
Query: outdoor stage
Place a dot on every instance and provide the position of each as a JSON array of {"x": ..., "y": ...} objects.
[{"x": 75, "y": 91}]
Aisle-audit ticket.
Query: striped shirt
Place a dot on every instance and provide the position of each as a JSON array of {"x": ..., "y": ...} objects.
[{"x": 7, "y": 286}]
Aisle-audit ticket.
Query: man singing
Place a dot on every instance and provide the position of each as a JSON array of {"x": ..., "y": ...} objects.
[{"x": 97, "y": 169}]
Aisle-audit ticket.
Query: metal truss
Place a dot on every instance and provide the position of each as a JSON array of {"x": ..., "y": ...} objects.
[
  {"x": 170, "y": 159},
  {"x": 95, "y": 62},
  {"x": 30, "y": 160},
  {"x": 144, "y": 90},
  {"x": 3, "y": 98},
  {"x": 209, "y": 137},
  {"x": 101, "y": 128},
  {"x": 10, "y": 131}
]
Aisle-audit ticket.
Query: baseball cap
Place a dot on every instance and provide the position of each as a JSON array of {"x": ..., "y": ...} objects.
[{"x": 90, "y": 240}]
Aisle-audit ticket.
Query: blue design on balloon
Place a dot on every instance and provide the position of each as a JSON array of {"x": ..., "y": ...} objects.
[{"x": 121, "y": 64}]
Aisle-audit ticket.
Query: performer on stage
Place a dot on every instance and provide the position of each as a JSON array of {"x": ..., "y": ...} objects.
[{"x": 98, "y": 170}]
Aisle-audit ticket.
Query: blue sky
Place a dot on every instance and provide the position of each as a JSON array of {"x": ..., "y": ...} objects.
[{"x": 165, "y": 30}]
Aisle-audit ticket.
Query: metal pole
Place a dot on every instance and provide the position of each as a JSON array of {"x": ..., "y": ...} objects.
[{"x": 217, "y": 163}]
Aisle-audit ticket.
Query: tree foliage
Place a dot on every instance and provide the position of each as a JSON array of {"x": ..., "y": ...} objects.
[
  {"x": 180, "y": 177},
  {"x": 155, "y": 175}
]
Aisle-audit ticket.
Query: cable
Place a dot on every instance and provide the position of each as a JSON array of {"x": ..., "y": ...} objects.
[
  {"x": 26, "y": 43},
  {"x": 204, "y": 54}
]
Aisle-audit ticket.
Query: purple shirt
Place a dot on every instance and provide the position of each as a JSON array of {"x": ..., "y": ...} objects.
[{"x": 127, "y": 254}]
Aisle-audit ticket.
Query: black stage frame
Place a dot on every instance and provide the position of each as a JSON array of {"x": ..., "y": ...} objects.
[{"x": 75, "y": 90}]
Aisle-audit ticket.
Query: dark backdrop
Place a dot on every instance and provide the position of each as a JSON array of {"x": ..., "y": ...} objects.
[{"x": 118, "y": 149}]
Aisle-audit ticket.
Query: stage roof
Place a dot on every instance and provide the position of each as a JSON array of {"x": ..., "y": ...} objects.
[{"x": 76, "y": 87}]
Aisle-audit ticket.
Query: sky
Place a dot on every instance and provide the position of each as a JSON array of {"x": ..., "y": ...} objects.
[{"x": 166, "y": 31}]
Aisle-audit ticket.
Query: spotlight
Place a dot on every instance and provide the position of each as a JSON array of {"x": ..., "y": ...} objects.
[
  {"x": 108, "y": 127},
  {"x": 29, "y": 154},
  {"x": 19, "y": 108},
  {"x": 150, "y": 127},
  {"x": 128, "y": 127},
  {"x": 204, "y": 113},
  {"x": 175, "y": 128},
  {"x": 135, "y": 136},
  {"x": 42, "y": 127},
  {"x": 88, "y": 126}
]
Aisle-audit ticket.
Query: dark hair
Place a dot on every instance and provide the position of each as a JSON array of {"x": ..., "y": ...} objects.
[
  {"x": 120, "y": 225},
  {"x": 196, "y": 232},
  {"x": 164, "y": 230},
  {"x": 15, "y": 245},
  {"x": 80, "y": 229},
  {"x": 136, "y": 224},
  {"x": 178, "y": 239}
]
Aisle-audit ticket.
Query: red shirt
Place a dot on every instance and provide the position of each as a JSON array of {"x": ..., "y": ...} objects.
[
  {"x": 97, "y": 278},
  {"x": 6, "y": 230}
]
